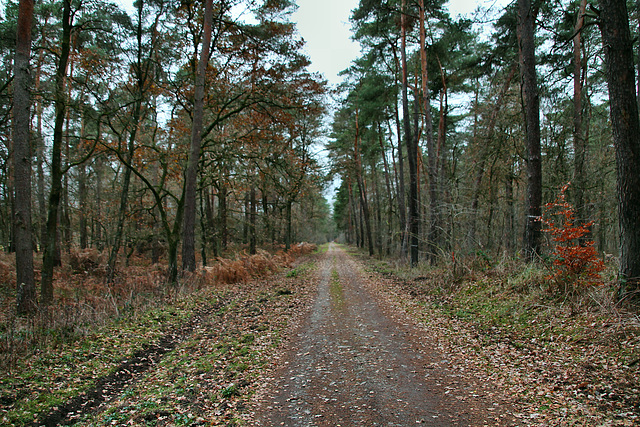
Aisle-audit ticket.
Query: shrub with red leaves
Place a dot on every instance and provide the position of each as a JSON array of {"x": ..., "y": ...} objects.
[{"x": 576, "y": 262}]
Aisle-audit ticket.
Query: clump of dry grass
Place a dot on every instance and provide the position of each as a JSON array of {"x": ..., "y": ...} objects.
[
  {"x": 260, "y": 264},
  {"x": 86, "y": 260},
  {"x": 302, "y": 248},
  {"x": 228, "y": 271}
]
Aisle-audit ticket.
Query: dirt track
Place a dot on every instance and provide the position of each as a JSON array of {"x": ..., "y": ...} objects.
[{"x": 355, "y": 362}]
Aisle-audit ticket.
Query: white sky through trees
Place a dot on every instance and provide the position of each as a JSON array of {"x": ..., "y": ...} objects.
[{"x": 325, "y": 27}]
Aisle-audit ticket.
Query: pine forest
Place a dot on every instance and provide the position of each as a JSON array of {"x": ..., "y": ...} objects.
[{"x": 158, "y": 157}]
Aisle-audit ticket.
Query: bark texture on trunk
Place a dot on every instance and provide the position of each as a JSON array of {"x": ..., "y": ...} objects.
[
  {"x": 579, "y": 140},
  {"x": 412, "y": 150},
  {"x": 614, "y": 26},
  {"x": 189, "y": 224},
  {"x": 26, "y": 291},
  {"x": 531, "y": 102}
]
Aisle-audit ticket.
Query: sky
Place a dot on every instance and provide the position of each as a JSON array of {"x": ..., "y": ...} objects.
[{"x": 325, "y": 27}]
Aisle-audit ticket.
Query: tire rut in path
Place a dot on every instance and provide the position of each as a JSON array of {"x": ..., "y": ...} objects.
[
  {"x": 353, "y": 364},
  {"x": 129, "y": 371}
]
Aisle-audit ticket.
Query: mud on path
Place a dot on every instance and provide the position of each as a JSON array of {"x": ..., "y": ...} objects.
[{"x": 356, "y": 362}]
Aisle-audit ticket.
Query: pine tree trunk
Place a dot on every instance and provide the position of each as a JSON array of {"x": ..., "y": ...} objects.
[
  {"x": 82, "y": 201},
  {"x": 616, "y": 38},
  {"x": 412, "y": 150},
  {"x": 531, "y": 102},
  {"x": 432, "y": 152},
  {"x": 40, "y": 156},
  {"x": 579, "y": 141},
  {"x": 124, "y": 202},
  {"x": 361, "y": 188},
  {"x": 399, "y": 172},
  {"x": 189, "y": 226},
  {"x": 26, "y": 290},
  {"x": 387, "y": 180},
  {"x": 97, "y": 228}
]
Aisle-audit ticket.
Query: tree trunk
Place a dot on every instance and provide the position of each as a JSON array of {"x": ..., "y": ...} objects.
[
  {"x": 252, "y": 220},
  {"x": 97, "y": 233},
  {"x": 245, "y": 223},
  {"x": 508, "y": 234},
  {"x": 436, "y": 177},
  {"x": 361, "y": 189},
  {"x": 265, "y": 211},
  {"x": 616, "y": 38},
  {"x": 531, "y": 102},
  {"x": 124, "y": 201},
  {"x": 188, "y": 229},
  {"x": 432, "y": 152},
  {"x": 222, "y": 218},
  {"x": 402, "y": 206},
  {"x": 66, "y": 233},
  {"x": 82, "y": 201},
  {"x": 389, "y": 188},
  {"x": 399, "y": 173},
  {"x": 26, "y": 290},
  {"x": 49, "y": 256},
  {"x": 40, "y": 156},
  {"x": 288, "y": 219},
  {"x": 412, "y": 150},
  {"x": 638, "y": 55},
  {"x": 579, "y": 141},
  {"x": 202, "y": 195},
  {"x": 353, "y": 224},
  {"x": 378, "y": 209},
  {"x": 209, "y": 236}
]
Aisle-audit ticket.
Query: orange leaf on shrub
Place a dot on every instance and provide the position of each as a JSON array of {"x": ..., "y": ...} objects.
[{"x": 575, "y": 261}]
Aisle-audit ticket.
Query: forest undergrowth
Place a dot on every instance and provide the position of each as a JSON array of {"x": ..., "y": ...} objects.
[
  {"x": 70, "y": 363},
  {"x": 565, "y": 359}
]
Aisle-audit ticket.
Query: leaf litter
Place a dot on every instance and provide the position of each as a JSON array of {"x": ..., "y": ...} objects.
[{"x": 554, "y": 368}]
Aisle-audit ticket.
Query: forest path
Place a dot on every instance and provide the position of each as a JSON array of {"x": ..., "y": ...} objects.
[{"x": 356, "y": 362}]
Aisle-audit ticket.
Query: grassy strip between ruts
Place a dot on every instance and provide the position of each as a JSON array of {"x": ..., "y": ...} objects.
[
  {"x": 204, "y": 379},
  {"x": 561, "y": 362}
]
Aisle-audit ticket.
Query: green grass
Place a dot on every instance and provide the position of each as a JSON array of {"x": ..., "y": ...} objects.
[
  {"x": 300, "y": 270},
  {"x": 322, "y": 248},
  {"x": 336, "y": 291}
]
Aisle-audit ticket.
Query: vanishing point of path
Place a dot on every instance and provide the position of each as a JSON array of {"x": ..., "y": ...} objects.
[{"x": 356, "y": 363}]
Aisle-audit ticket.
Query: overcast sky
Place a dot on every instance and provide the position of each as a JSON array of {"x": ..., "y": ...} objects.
[{"x": 325, "y": 27}]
